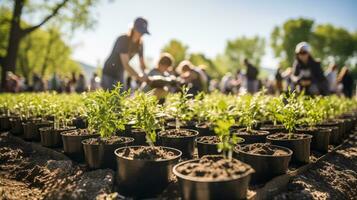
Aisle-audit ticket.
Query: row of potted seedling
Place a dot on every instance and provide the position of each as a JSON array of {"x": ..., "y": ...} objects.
[{"x": 133, "y": 135}]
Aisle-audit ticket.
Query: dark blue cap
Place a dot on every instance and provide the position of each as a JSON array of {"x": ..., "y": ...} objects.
[{"x": 141, "y": 25}]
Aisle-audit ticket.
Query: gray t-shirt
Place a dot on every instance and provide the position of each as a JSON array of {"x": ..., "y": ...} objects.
[{"x": 113, "y": 66}]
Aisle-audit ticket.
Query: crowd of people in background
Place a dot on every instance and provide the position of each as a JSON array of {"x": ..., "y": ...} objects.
[
  {"x": 306, "y": 74},
  {"x": 15, "y": 83}
]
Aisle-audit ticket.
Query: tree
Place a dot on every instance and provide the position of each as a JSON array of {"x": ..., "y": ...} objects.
[
  {"x": 285, "y": 38},
  {"x": 74, "y": 13},
  {"x": 333, "y": 44},
  {"x": 43, "y": 51},
  {"x": 177, "y": 49},
  {"x": 244, "y": 47}
]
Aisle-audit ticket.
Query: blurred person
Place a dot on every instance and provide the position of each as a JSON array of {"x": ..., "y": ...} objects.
[
  {"x": 307, "y": 73},
  {"x": 279, "y": 80},
  {"x": 71, "y": 84},
  {"x": 38, "y": 85},
  {"x": 125, "y": 47},
  {"x": 12, "y": 83},
  {"x": 190, "y": 77},
  {"x": 251, "y": 75},
  {"x": 94, "y": 82},
  {"x": 331, "y": 75},
  {"x": 160, "y": 79},
  {"x": 224, "y": 85},
  {"x": 54, "y": 83},
  {"x": 346, "y": 79},
  {"x": 81, "y": 85},
  {"x": 201, "y": 69},
  {"x": 213, "y": 85}
]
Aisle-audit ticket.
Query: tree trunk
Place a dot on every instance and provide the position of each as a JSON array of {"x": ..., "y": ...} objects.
[{"x": 9, "y": 62}]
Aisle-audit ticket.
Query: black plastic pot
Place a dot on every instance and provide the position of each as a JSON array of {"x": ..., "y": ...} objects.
[
  {"x": 320, "y": 137},
  {"x": 193, "y": 188},
  {"x": 205, "y": 129},
  {"x": 144, "y": 178},
  {"x": 80, "y": 123},
  {"x": 139, "y": 136},
  {"x": 273, "y": 128},
  {"x": 16, "y": 126},
  {"x": 28, "y": 127},
  {"x": 337, "y": 130},
  {"x": 72, "y": 145},
  {"x": 266, "y": 166},
  {"x": 300, "y": 147},
  {"x": 186, "y": 144},
  {"x": 51, "y": 137},
  {"x": 4, "y": 123},
  {"x": 252, "y": 138},
  {"x": 102, "y": 155},
  {"x": 36, "y": 132},
  {"x": 204, "y": 148},
  {"x": 186, "y": 125}
]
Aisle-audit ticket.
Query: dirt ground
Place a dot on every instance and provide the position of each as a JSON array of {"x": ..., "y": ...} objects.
[
  {"x": 335, "y": 177},
  {"x": 27, "y": 174}
]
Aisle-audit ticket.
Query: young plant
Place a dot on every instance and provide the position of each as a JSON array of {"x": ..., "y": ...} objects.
[
  {"x": 178, "y": 106},
  {"x": 289, "y": 112},
  {"x": 227, "y": 140},
  {"x": 104, "y": 111},
  {"x": 251, "y": 110},
  {"x": 146, "y": 115},
  {"x": 313, "y": 111}
]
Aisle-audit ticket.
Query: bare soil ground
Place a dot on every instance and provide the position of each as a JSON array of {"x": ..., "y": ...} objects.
[
  {"x": 28, "y": 174},
  {"x": 334, "y": 177}
]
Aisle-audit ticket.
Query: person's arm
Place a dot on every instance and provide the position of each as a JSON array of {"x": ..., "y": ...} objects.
[
  {"x": 142, "y": 64},
  {"x": 295, "y": 71},
  {"x": 124, "y": 57}
]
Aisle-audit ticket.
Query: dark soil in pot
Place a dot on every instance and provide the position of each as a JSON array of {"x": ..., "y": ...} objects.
[
  {"x": 267, "y": 160},
  {"x": 145, "y": 171},
  {"x": 213, "y": 177},
  {"x": 72, "y": 142},
  {"x": 207, "y": 145},
  {"x": 298, "y": 143},
  {"x": 320, "y": 137},
  {"x": 4, "y": 123},
  {"x": 253, "y": 136},
  {"x": 205, "y": 129},
  {"x": 273, "y": 128},
  {"x": 183, "y": 125},
  {"x": 99, "y": 152},
  {"x": 51, "y": 137},
  {"x": 181, "y": 139}
]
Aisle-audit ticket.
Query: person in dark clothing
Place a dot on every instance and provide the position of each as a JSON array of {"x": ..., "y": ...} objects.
[
  {"x": 125, "y": 47},
  {"x": 307, "y": 73},
  {"x": 190, "y": 77},
  {"x": 251, "y": 75},
  {"x": 346, "y": 79},
  {"x": 279, "y": 80}
]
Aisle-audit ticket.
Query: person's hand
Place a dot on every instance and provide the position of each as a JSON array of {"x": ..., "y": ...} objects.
[
  {"x": 142, "y": 78},
  {"x": 305, "y": 83}
]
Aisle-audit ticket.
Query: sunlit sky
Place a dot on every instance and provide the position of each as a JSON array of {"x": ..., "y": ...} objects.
[{"x": 203, "y": 25}]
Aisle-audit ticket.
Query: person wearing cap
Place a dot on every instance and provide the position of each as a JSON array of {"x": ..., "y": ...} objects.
[
  {"x": 125, "y": 47},
  {"x": 307, "y": 73}
]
